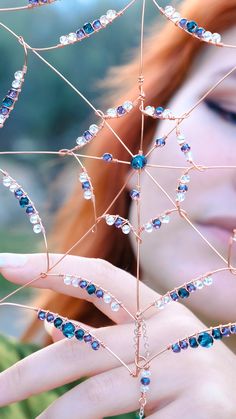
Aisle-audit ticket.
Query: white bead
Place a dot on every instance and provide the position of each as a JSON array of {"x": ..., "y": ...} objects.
[
  {"x": 67, "y": 280},
  {"x": 128, "y": 105},
  {"x": 110, "y": 220},
  {"x": 13, "y": 187},
  {"x": 175, "y": 17},
  {"x": 111, "y": 112},
  {"x": 165, "y": 219},
  {"x": 180, "y": 197},
  {"x": 107, "y": 298},
  {"x": 216, "y": 37},
  {"x": 111, "y": 14},
  {"x": 198, "y": 284},
  {"x": 93, "y": 129},
  {"x": 75, "y": 282},
  {"x": 64, "y": 40},
  {"x": 19, "y": 75},
  {"x": 159, "y": 304},
  {"x": 16, "y": 84},
  {"x": 81, "y": 141},
  {"x": 37, "y": 228},
  {"x": 104, "y": 20},
  {"x": 144, "y": 389},
  {"x": 185, "y": 179},
  {"x": 148, "y": 227},
  {"x": 145, "y": 373},
  {"x": 180, "y": 139},
  {"x": 83, "y": 177},
  {"x": 169, "y": 10},
  {"x": 34, "y": 219},
  {"x": 126, "y": 229},
  {"x": 149, "y": 110},
  {"x": 115, "y": 306},
  {"x": 72, "y": 37},
  {"x": 208, "y": 280},
  {"x": 88, "y": 194},
  {"x": 207, "y": 36},
  {"x": 6, "y": 181},
  {"x": 2, "y": 119}
]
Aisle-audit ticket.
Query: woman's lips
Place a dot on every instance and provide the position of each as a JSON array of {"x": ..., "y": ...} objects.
[{"x": 221, "y": 229}]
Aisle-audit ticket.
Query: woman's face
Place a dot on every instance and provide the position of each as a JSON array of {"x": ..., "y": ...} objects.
[{"x": 175, "y": 253}]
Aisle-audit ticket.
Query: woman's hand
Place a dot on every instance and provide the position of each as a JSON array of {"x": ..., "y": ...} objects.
[{"x": 196, "y": 383}]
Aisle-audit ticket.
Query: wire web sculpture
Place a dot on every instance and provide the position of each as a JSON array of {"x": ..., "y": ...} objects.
[{"x": 138, "y": 163}]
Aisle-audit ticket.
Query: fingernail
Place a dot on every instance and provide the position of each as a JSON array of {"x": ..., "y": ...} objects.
[{"x": 12, "y": 260}]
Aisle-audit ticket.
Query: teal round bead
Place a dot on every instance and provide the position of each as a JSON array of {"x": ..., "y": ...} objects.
[
  {"x": 138, "y": 162},
  {"x": 205, "y": 340},
  {"x": 68, "y": 330}
]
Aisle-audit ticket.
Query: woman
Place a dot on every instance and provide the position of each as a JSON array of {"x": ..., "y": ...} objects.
[{"x": 197, "y": 384}]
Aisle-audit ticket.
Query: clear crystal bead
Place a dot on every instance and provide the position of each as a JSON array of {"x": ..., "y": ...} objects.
[
  {"x": 83, "y": 177},
  {"x": 128, "y": 105},
  {"x": 167, "y": 113},
  {"x": 146, "y": 373},
  {"x": 169, "y": 10},
  {"x": 6, "y": 181},
  {"x": 165, "y": 218},
  {"x": 75, "y": 282},
  {"x": 115, "y": 306},
  {"x": 88, "y": 194},
  {"x": 72, "y": 37},
  {"x": 175, "y": 17},
  {"x": 208, "y": 280},
  {"x": 2, "y": 119},
  {"x": 64, "y": 40},
  {"x": 180, "y": 139},
  {"x": 111, "y": 14},
  {"x": 148, "y": 227},
  {"x": 149, "y": 110},
  {"x": 16, "y": 84},
  {"x": 216, "y": 37},
  {"x": 126, "y": 229},
  {"x": 37, "y": 228},
  {"x": 104, "y": 20},
  {"x": 198, "y": 284},
  {"x": 34, "y": 218},
  {"x": 185, "y": 179},
  {"x": 189, "y": 156},
  {"x": 180, "y": 197},
  {"x": 167, "y": 299},
  {"x": 81, "y": 141},
  {"x": 19, "y": 75},
  {"x": 111, "y": 112},
  {"x": 93, "y": 129},
  {"x": 207, "y": 36},
  {"x": 160, "y": 304},
  {"x": 144, "y": 389},
  {"x": 110, "y": 220},
  {"x": 107, "y": 298},
  {"x": 13, "y": 187},
  {"x": 67, "y": 280}
]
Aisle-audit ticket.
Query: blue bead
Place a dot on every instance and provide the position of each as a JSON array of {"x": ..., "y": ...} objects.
[
  {"x": 79, "y": 334},
  {"x": 91, "y": 289},
  {"x": 159, "y": 110},
  {"x": 182, "y": 23},
  {"x": 182, "y": 188},
  {"x": 191, "y": 26},
  {"x": 4, "y": 111},
  {"x": 83, "y": 283},
  {"x": 134, "y": 194},
  {"x": 145, "y": 381},
  {"x": 216, "y": 333},
  {"x": 18, "y": 193},
  {"x": 88, "y": 29},
  {"x": 58, "y": 322},
  {"x": 87, "y": 135},
  {"x": 95, "y": 345},
  {"x": 8, "y": 102},
  {"x": 183, "y": 293},
  {"x": 41, "y": 315},
  {"x": 138, "y": 162},
  {"x": 68, "y": 330},
  {"x": 193, "y": 342},
  {"x": 225, "y": 331},
  {"x": 24, "y": 201},
  {"x": 80, "y": 33},
  {"x": 156, "y": 223},
  {"x": 97, "y": 24},
  {"x": 174, "y": 296},
  {"x": 12, "y": 93},
  {"x": 50, "y": 317},
  {"x": 200, "y": 32},
  {"x": 87, "y": 338},
  {"x": 30, "y": 210},
  {"x": 233, "y": 328},
  {"x": 183, "y": 344},
  {"x": 160, "y": 142},
  {"x": 205, "y": 340},
  {"x": 107, "y": 157},
  {"x": 191, "y": 287},
  {"x": 86, "y": 185},
  {"x": 120, "y": 110},
  {"x": 175, "y": 347},
  {"x": 185, "y": 148},
  {"x": 119, "y": 222},
  {"x": 99, "y": 293}
]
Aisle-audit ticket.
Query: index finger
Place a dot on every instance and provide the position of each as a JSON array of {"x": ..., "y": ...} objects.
[{"x": 117, "y": 288}]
